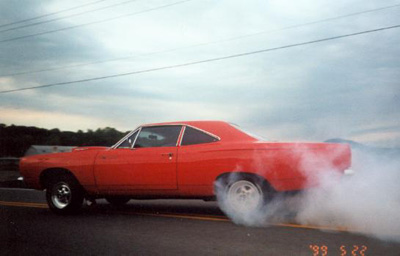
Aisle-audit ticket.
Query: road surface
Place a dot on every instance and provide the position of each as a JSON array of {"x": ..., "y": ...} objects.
[{"x": 161, "y": 227}]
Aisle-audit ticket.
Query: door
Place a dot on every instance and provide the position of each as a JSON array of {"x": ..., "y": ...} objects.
[
  {"x": 148, "y": 161},
  {"x": 112, "y": 168}
]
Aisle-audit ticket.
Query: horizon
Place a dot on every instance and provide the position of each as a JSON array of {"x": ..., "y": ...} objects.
[{"x": 345, "y": 140}]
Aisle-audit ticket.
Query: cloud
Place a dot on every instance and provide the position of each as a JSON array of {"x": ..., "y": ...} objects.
[
  {"x": 49, "y": 119},
  {"x": 313, "y": 92}
]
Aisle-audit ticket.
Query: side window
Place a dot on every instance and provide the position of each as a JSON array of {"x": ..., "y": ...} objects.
[
  {"x": 193, "y": 136},
  {"x": 158, "y": 136},
  {"x": 129, "y": 141}
]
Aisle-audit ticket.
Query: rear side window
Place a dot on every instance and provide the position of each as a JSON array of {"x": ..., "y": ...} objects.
[
  {"x": 193, "y": 136},
  {"x": 158, "y": 136}
]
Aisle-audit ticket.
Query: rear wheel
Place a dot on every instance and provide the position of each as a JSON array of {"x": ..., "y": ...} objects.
[
  {"x": 242, "y": 197},
  {"x": 118, "y": 200},
  {"x": 64, "y": 195}
]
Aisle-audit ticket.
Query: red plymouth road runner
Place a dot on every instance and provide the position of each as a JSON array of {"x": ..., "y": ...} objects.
[{"x": 192, "y": 159}]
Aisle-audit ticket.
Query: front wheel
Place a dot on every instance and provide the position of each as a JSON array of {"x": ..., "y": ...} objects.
[{"x": 64, "y": 195}]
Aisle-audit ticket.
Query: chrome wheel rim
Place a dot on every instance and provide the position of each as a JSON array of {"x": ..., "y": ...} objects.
[
  {"x": 61, "y": 196},
  {"x": 244, "y": 196}
]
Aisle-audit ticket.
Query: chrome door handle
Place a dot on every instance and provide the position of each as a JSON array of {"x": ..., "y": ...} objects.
[{"x": 168, "y": 154}]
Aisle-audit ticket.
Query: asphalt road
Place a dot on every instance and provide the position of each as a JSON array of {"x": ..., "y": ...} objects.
[{"x": 160, "y": 227}]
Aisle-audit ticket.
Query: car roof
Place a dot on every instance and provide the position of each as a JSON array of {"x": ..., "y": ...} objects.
[
  {"x": 193, "y": 123},
  {"x": 224, "y": 130}
]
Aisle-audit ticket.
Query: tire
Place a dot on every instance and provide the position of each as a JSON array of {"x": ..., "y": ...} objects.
[
  {"x": 118, "y": 201},
  {"x": 64, "y": 195},
  {"x": 242, "y": 197}
]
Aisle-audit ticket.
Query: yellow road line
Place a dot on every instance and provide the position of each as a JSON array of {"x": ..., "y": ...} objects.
[
  {"x": 341, "y": 229},
  {"x": 23, "y": 204},
  {"x": 212, "y": 218},
  {"x": 187, "y": 216},
  {"x": 169, "y": 215}
]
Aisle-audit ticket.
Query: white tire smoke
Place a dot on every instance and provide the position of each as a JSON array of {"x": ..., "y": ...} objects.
[{"x": 367, "y": 202}]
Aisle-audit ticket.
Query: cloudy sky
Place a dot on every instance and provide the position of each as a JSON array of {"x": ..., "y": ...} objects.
[{"x": 348, "y": 87}]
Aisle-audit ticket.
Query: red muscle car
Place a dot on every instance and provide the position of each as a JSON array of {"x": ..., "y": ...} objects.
[{"x": 182, "y": 160}]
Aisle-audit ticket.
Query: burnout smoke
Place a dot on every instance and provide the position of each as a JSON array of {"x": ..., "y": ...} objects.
[{"x": 367, "y": 202}]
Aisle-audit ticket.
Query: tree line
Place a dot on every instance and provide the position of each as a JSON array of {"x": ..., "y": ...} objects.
[{"x": 15, "y": 140}]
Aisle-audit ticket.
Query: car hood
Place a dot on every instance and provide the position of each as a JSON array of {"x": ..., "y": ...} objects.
[
  {"x": 61, "y": 154},
  {"x": 89, "y": 148}
]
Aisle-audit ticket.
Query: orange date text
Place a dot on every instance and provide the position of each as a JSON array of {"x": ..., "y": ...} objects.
[{"x": 343, "y": 250}]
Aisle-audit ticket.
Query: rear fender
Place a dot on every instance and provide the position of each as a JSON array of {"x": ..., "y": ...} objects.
[{"x": 226, "y": 178}]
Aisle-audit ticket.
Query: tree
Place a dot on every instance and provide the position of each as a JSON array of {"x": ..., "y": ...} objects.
[{"x": 15, "y": 140}]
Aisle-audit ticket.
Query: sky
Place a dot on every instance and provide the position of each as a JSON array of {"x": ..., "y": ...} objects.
[{"x": 144, "y": 62}]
